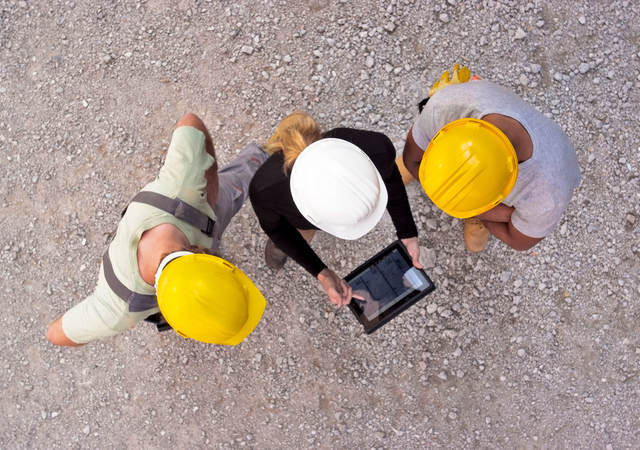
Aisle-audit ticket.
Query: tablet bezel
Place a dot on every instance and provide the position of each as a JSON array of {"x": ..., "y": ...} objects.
[{"x": 372, "y": 325}]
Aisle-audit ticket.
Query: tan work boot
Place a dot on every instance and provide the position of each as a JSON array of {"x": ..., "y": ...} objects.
[
  {"x": 273, "y": 256},
  {"x": 476, "y": 235},
  {"x": 404, "y": 172}
]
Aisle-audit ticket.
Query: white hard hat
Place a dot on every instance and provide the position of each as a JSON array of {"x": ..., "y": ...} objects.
[{"x": 337, "y": 188}]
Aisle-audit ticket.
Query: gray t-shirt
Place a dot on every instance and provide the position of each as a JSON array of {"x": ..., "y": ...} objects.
[{"x": 545, "y": 181}]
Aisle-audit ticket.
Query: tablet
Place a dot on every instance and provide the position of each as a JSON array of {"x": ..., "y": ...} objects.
[{"x": 389, "y": 284}]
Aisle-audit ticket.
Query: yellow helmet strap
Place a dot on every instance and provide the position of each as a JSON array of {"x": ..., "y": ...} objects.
[{"x": 166, "y": 260}]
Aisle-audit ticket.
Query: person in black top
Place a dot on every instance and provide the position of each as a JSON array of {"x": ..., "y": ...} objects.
[{"x": 340, "y": 181}]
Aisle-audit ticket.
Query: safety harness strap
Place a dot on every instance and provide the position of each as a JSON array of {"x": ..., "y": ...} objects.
[
  {"x": 177, "y": 208},
  {"x": 137, "y": 302}
]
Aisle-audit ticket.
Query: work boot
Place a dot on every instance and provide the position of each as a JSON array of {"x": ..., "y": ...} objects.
[
  {"x": 476, "y": 235},
  {"x": 273, "y": 256}
]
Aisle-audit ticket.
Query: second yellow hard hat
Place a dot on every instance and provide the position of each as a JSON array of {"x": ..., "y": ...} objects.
[{"x": 469, "y": 167}]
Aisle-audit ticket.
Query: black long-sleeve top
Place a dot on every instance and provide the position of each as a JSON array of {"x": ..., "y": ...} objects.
[{"x": 270, "y": 195}]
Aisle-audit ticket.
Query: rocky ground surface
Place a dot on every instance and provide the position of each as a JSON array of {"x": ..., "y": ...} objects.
[{"x": 539, "y": 349}]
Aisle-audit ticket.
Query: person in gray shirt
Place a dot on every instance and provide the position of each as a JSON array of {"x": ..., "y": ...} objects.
[{"x": 506, "y": 168}]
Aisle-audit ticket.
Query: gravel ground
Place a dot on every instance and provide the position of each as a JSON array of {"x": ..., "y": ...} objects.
[{"x": 530, "y": 350}]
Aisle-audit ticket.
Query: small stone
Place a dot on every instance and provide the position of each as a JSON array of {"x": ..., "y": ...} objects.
[
  {"x": 535, "y": 68},
  {"x": 522, "y": 353},
  {"x": 457, "y": 352},
  {"x": 128, "y": 54},
  {"x": 86, "y": 430},
  {"x": 557, "y": 76},
  {"x": 540, "y": 23},
  {"x": 369, "y": 62},
  {"x": 286, "y": 58},
  {"x": 444, "y": 17},
  {"x": 446, "y": 313},
  {"x": 584, "y": 67},
  {"x": 523, "y": 80},
  {"x": 453, "y": 415},
  {"x": 390, "y": 27},
  {"x": 246, "y": 49},
  {"x": 582, "y": 20},
  {"x": 520, "y": 34},
  {"x": 54, "y": 414},
  {"x": 431, "y": 308},
  {"x": 85, "y": 104},
  {"x": 257, "y": 358},
  {"x": 428, "y": 257},
  {"x": 443, "y": 375}
]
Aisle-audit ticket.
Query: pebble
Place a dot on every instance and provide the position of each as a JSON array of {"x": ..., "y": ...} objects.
[
  {"x": 390, "y": 27},
  {"x": 444, "y": 17},
  {"x": 369, "y": 62},
  {"x": 520, "y": 34},
  {"x": 246, "y": 49},
  {"x": 582, "y": 20},
  {"x": 523, "y": 80},
  {"x": 428, "y": 257},
  {"x": 453, "y": 415},
  {"x": 522, "y": 353},
  {"x": 286, "y": 58},
  {"x": 431, "y": 308},
  {"x": 54, "y": 414},
  {"x": 584, "y": 67},
  {"x": 86, "y": 430},
  {"x": 446, "y": 313},
  {"x": 443, "y": 376},
  {"x": 630, "y": 218}
]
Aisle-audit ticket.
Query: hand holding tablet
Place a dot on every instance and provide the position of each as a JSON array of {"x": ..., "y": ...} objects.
[{"x": 386, "y": 285}]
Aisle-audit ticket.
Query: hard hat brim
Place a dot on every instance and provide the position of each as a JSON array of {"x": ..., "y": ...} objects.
[{"x": 257, "y": 304}]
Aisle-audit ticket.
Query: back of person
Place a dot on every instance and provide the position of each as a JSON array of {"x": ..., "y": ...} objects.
[{"x": 545, "y": 181}]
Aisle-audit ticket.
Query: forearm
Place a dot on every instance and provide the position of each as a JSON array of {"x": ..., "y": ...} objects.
[
  {"x": 412, "y": 156},
  {"x": 508, "y": 234},
  {"x": 499, "y": 213},
  {"x": 292, "y": 243},
  {"x": 398, "y": 206}
]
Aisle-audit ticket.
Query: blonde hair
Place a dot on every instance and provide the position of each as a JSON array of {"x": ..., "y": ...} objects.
[{"x": 293, "y": 134}]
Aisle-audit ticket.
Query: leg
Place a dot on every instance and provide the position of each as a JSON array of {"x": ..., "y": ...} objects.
[
  {"x": 275, "y": 258},
  {"x": 234, "y": 179}
]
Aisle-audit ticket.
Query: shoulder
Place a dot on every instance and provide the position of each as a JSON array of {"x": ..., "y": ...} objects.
[{"x": 270, "y": 175}]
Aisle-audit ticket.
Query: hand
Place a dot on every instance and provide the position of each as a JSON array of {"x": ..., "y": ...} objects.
[
  {"x": 337, "y": 289},
  {"x": 413, "y": 248}
]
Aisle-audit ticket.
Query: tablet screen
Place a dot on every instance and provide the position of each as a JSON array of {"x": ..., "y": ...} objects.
[{"x": 385, "y": 283}]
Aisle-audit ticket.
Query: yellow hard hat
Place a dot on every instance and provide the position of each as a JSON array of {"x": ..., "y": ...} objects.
[
  {"x": 208, "y": 299},
  {"x": 468, "y": 167}
]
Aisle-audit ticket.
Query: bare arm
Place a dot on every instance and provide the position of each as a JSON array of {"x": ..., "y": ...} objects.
[
  {"x": 56, "y": 335},
  {"x": 499, "y": 213},
  {"x": 211, "y": 174},
  {"x": 510, "y": 235},
  {"x": 412, "y": 156}
]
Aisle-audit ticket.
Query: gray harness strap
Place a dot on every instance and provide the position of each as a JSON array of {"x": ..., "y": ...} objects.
[
  {"x": 177, "y": 208},
  {"x": 137, "y": 302}
]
